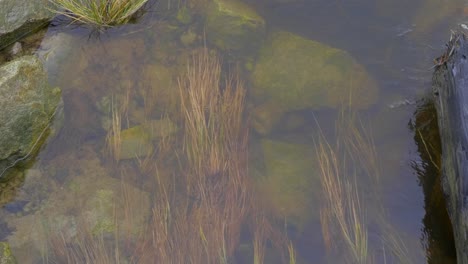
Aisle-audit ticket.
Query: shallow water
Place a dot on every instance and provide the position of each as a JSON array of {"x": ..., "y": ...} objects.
[{"x": 395, "y": 41}]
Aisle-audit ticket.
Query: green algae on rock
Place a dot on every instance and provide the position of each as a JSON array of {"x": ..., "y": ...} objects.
[
  {"x": 28, "y": 106},
  {"x": 233, "y": 25},
  {"x": 296, "y": 73},
  {"x": 291, "y": 182}
]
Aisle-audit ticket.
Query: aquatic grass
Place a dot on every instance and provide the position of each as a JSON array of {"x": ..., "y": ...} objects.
[
  {"x": 201, "y": 222},
  {"x": 84, "y": 247},
  {"x": 99, "y": 13},
  {"x": 343, "y": 215},
  {"x": 200, "y": 208},
  {"x": 342, "y": 208},
  {"x": 292, "y": 253}
]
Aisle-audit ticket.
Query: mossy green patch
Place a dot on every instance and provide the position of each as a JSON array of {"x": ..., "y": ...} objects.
[
  {"x": 6, "y": 257},
  {"x": 101, "y": 207}
]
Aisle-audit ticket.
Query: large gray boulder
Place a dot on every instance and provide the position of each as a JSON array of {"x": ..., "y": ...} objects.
[
  {"x": 27, "y": 107},
  {"x": 19, "y": 18}
]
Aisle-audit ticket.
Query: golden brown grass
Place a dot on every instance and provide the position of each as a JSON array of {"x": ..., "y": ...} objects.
[{"x": 215, "y": 145}]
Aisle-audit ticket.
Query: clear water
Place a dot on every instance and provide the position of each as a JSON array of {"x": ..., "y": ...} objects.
[{"x": 393, "y": 40}]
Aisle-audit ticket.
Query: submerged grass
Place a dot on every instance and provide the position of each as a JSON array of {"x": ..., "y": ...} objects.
[
  {"x": 342, "y": 211},
  {"x": 99, "y": 13},
  {"x": 200, "y": 209},
  {"x": 215, "y": 146},
  {"x": 343, "y": 215}
]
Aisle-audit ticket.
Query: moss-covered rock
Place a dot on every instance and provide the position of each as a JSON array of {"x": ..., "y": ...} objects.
[
  {"x": 291, "y": 182},
  {"x": 20, "y": 18},
  {"x": 28, "y": 105},
  {"x": 6, "y": 257},
  {"x": 295, "y": 73},
  {"x": 233, "y": 25}
]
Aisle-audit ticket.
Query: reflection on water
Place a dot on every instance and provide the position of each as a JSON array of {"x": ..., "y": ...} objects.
[{"x": 113, "y": 184}]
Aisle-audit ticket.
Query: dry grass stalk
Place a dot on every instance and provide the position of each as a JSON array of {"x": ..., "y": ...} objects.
[
  {"x": 215, "y": 145},
  {"x": 260, "y": 241},
  {"x": 201, "y": 223},
  {"x": 113, "y": 138},
  {"x": 85, "y": 247}
]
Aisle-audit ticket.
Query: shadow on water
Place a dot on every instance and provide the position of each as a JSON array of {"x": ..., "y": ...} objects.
[{"x": 437, "y": 235}]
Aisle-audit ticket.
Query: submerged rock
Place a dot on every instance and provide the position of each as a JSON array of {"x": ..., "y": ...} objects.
[
  {"x": 291, "y": 184},
  {"x": 265, "y": 117},
  {"x": 20, "y": 18},
  {"x": 89, "y": 202},
  {"x": 162, "y": 93},
  {"x": 136, "y": 142},
  {"x": 28, "y": 106},
  {"x": 234, "y": 25},
  {"x": 295, "y": 73}
]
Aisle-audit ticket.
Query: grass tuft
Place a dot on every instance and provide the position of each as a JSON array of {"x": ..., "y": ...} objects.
[{"x": 99, "y": 13}]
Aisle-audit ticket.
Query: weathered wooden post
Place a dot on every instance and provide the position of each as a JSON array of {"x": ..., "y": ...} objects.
[{"x": 450, "y": 87}]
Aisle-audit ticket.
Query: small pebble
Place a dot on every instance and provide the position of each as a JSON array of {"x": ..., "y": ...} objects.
[{"x": 16, "y": 48}]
